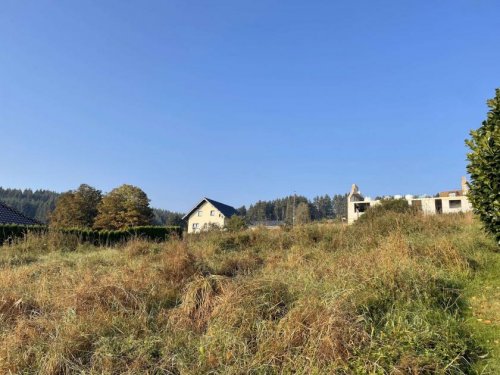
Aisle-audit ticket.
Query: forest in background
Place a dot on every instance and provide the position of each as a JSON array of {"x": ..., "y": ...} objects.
[
  {"x": 319, "y": 208},
  {"x": 39, "y": 204}
]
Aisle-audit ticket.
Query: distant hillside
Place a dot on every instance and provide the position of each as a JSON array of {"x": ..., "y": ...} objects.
[{"x": 37, "y": 204}]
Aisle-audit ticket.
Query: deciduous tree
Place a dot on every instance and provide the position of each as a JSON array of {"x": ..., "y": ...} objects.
[
  {"x": 124, "y": 207},
  {"x": 76, "y": 208},
  {"x": 484, "y": 168}
]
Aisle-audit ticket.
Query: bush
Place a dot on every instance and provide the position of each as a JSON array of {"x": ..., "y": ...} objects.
[
  {"x": 385, "y": 208},
  {"x": 235, "y": 223}
]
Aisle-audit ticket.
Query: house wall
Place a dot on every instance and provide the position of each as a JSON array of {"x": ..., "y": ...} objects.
[
  {"x": 465, "y": 205},
  {"x": 205, "y": 220},
  {"x": 352, "y": 215},
  {"x": 428, "y": 206}
]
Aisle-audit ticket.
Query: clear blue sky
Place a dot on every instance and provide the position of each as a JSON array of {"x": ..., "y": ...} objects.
[{"x": 243, "y": 100}]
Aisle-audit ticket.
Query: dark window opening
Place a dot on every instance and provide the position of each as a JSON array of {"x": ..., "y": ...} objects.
[
  {"x": 456, "y": 203},
  {"x": 438, "y": 203},
  {"x": 361, "y": 207}
]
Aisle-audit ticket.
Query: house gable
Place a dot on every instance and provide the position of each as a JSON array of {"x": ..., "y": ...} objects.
[
  {"x": 208, "y": 213},
  {"x": 224, "y": 209}
]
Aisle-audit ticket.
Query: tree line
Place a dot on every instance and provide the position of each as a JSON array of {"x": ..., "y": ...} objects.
[
  {"x": 123, "y": 207},
  {"x": 127, "y": 205},
  {"x": 41, "y": 204},
  {"x": 322, "y": 207},
  {"x": 36, "y": 204}
]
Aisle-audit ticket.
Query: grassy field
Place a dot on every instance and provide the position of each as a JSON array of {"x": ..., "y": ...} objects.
[{"x": 400, "y": 294}]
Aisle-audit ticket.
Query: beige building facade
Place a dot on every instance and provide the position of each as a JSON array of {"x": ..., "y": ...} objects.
[
  {"x": 208, "y": 214},
  {"x": 444, "y": 203}
]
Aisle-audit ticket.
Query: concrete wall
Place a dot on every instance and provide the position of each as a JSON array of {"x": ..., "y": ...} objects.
[
  {"x": 428, "y": 206},
  {"x": 465, "y": 205},
  {"x": 352, "y": 212},
  {"x": 203, "y": 218}
]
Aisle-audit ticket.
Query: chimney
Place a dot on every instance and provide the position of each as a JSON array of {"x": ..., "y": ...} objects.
[{"x": 465, "y": 186}]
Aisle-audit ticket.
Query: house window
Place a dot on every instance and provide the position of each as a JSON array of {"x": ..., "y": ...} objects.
[
  {"x": 455, "y": 203},
  {"x": 196, "y": 225},
  {"x": 200, "y": 213},
  {"x": 361, "y": 207},
  {"x": 212, "y": 213}
]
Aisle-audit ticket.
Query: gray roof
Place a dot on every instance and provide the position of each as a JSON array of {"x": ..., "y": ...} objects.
[
  {"x": 8, "y": 215},
  {"x": 226, "y": 210}
]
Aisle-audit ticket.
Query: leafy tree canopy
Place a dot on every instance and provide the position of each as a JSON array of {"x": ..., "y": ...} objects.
[
  {"x": 76, "y": 208},
  {"x": 484, "y": 168},
  {"x": 123, "y": 207}
]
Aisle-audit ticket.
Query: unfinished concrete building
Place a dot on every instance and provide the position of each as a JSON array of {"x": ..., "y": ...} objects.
[{"x": 443, "y": 203}]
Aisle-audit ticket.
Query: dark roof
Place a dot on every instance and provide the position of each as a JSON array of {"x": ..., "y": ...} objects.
[
  {"x": 225, "y": 210},
  {"x": 8, "y": 215}
]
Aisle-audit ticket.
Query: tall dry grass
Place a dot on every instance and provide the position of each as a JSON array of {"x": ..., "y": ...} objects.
[{"x": 383, "y": 296}]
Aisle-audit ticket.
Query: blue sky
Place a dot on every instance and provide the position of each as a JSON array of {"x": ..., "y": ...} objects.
[{"x": 243, "y": 100}]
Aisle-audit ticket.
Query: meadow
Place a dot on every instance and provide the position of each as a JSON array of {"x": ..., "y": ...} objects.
[{"x": 390, "y": 295}]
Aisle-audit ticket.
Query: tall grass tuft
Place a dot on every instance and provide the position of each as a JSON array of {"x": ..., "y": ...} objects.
[{"x": 384, "y": 295}]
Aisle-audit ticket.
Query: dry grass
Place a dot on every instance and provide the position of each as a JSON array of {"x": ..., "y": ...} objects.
[{"x": 384, "y": 296}]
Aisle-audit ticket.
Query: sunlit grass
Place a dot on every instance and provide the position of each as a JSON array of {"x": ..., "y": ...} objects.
[{"x": 390, "y": 295}]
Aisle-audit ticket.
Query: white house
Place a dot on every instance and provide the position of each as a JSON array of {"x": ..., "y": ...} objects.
[
  {"x": 445, "y": 202},
  {"x": 208, "y": 213}
]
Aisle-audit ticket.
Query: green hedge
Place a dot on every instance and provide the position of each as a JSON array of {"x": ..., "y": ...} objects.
[
  {"x": 110, "y": 237},
  {"x": 11, "y": 231},
  {"x": 96, "y": 237}
]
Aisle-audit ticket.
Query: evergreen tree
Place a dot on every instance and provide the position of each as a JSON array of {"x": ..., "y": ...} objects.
[
  {"x": 339, "y": 205},
  {"x": 242, "y": 211},
  {"x": 322, "y": 207},
  {"x": 35, "y": 204},
  {"x": 168, "y": 218}
]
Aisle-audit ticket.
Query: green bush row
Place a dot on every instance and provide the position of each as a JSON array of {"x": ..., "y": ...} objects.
[
  {"x": 96, "y": 237},
  {"x": 11, "y": 231}
]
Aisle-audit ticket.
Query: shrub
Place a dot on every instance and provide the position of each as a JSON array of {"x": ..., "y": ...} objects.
[
  {"x": 235, "y": 223},
  {"x": 386, "y": 215}
]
